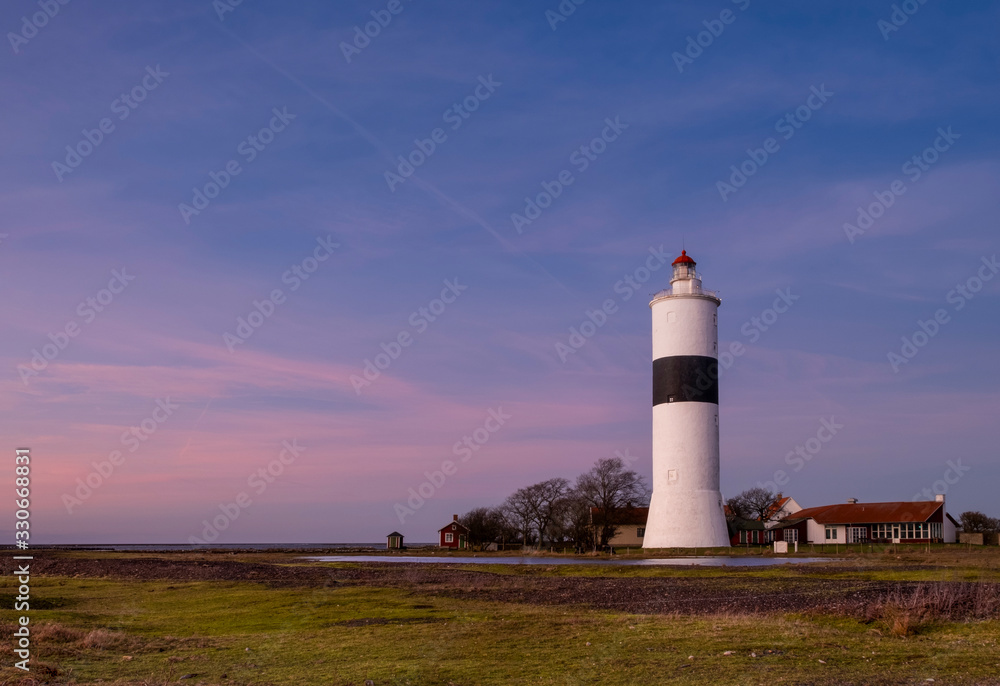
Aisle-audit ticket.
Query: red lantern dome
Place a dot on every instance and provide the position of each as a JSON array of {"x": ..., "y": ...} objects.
[{"x": 684, "y": 259}]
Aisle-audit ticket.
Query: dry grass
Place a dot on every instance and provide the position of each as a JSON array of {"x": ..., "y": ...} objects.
[
  {"x": 907, "y": 610},
  {"x": 58, "y": 640}
]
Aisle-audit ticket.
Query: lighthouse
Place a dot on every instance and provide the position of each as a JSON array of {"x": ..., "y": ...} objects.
[{"x": 686, "y": 506}]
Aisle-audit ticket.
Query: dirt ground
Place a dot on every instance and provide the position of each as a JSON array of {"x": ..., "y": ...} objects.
[{"x": 801, "y": 590}]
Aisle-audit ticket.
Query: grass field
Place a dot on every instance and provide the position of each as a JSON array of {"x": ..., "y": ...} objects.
[{"x": 108, "y": 630}]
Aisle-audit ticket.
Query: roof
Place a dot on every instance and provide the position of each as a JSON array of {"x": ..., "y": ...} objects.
[
  {"x": 394, "y": 533},
  {"x": 626, "y": 516},
  {"x": 776, "y": 506},
  {"x": 867, "y": 513},
  {"x": 456, "y": 523},
  {"x": 684, "y": 259}
]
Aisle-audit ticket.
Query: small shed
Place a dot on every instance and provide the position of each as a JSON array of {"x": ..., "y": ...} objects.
[{"x": 394, "y": 541}]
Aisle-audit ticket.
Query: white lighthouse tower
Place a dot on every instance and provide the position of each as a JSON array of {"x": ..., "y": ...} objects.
[{"x": 686, "y": 506}]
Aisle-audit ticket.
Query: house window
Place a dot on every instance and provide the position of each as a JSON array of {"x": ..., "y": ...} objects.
[
  {"x": 856, "y": 534},
  {"x": 449, "y": 538},
  {"x": 640, "y": 532},
  {"x": 831, "y": 533},
  {"x": 792, "y": 535},
  {"x": 454, "y": 528},
  {"x": 743, "y": 537}
]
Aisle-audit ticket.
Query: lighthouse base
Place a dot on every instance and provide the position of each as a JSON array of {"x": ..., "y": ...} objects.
[{"x": 686, "y": 519}]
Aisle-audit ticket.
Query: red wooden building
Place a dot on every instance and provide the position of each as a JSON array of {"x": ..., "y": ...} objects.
[{"x": 454, "y": 535}]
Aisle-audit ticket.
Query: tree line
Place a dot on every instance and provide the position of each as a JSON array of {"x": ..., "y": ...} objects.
[
  {"x": 557, "y": 512},
  {"x": 974, "y": 522}
]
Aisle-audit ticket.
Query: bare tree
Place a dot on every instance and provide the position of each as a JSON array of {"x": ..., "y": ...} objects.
[
  {"x": 612, "y": 490},
  {"x": 547, "y": 504},
  {"x": 976, "y": 522},
  {"x": 754, "y": 503},
  {"x": 575, "y": 521},
  {"x": 518, "y": 512},
  {"x": 485, "y": 525},
  {"x": 538, "y": 505}
]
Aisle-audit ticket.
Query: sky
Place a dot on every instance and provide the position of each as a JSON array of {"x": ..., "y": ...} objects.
[{"x": 266, "y": 266}]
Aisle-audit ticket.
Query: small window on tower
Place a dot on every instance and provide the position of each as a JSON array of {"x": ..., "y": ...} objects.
[
  {"x": 671, "y": 398},
  {"x": 715, "y": 318}
]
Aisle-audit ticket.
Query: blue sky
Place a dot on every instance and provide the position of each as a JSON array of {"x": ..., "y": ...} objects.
[{"x": 322, "y": 176}]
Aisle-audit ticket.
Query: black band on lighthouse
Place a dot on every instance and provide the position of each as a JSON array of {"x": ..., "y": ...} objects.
[{"x": 685, "y": 378}]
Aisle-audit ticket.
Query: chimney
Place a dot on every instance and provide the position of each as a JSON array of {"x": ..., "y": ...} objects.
[
  {"x": 939, "y": 498},
  {"x": 852, "y": 501},
  {"x": 454, "y": 518}
]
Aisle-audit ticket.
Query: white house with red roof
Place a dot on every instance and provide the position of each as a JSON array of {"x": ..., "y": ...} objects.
[
  {"x": 855, "y": 522},
  {"x": 784, "y": 506}
]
